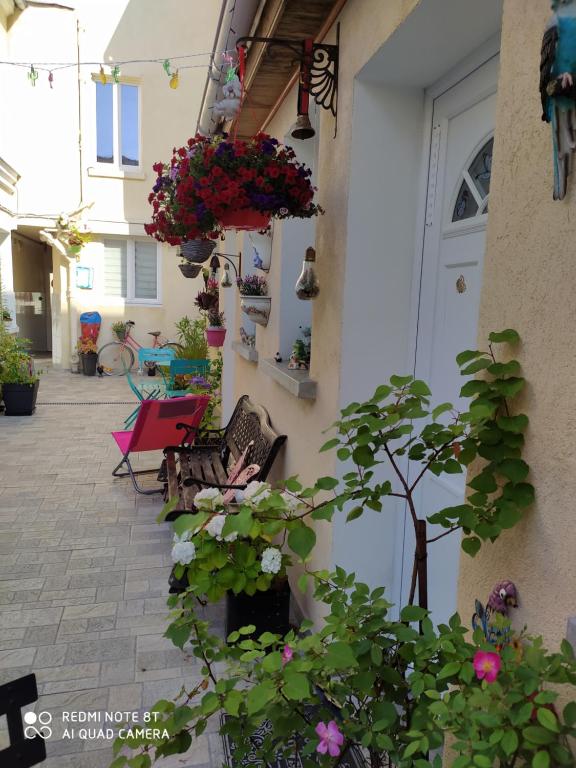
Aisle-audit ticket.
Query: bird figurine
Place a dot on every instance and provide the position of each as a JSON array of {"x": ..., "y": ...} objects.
[
  {"x": 503, "y": 596},
  {"x": 558, "y": 88}
]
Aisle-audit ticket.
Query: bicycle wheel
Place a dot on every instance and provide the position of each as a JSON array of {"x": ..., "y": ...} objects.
[
  {"x": 178, "y": 348},
  {"x": 115, "y": 358}
]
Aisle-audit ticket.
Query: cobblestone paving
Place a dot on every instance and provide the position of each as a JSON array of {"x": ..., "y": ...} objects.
[{"x": 83, "y": 572}]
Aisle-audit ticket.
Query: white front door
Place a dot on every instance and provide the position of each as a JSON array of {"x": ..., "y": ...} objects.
[{"x": 451, "y": 279}]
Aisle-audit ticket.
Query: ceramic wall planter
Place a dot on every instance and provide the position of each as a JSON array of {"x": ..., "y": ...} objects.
[
  {"x": 245, "y": 220},
  {"x": 20, "y": 399},
  {"x": 88, "y": 362},
  {"x": 215, "y": 336},
  {"x": 197, "y": 251},
  {"x": 269, "y": 611},
  {"x": 190, "y": 270},
  {"x": 257, "y": 308},
  {"x": 261, "y": 249}
]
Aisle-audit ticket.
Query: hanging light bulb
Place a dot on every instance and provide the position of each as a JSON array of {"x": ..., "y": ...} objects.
[
  {"x": 116, "y": 73},
  {"x": 225, "y": 280},
  {"x": 32, "y": 75},
  {"x": 174, "y": 80},
  {"x": 307, "y": 286},
  {"x": 102, "y": 75}
]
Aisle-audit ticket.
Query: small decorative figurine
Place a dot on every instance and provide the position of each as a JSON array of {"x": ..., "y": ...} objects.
[
  {"x": 300, "y": 357},
  {"x": 278, "y": 357},
  {"x": 558, "y": 88},
  {"x": 229, "y": 106},
  {"x": 503, "y": 596}
]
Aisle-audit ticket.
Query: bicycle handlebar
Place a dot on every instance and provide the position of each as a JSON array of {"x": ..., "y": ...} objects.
[{"x": 129, "y": 322}]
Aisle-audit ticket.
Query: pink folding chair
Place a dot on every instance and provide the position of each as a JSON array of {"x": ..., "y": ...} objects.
[{"x": 159, "y": 423}]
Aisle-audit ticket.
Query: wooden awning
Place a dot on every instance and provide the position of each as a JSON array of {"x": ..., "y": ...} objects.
[{"x": 268, "y": 71}]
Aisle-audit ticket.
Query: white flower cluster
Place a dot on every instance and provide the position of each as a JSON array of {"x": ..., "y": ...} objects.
[
  {"x": 292, "y": 502},
  {"x": 214, "y": 528},
  {"x": 271, "y": 560},
  {"x": 209, "y": 500},
  {"x": 183, "y": 551},
  {"x": 254, "y": 493}
]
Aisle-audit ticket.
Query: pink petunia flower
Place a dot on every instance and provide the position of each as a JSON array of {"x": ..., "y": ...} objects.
[
  {"x": 331, "y": 739},
  {"x": 487, "y": 665},
  {"x": 287, "y": 654}
]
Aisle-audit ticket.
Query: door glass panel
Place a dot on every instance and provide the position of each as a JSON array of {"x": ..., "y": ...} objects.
[
  {"x": 104, "y": 123},
  {"x": 481, "y": 168},
  {"x": 466, "y": 206}
]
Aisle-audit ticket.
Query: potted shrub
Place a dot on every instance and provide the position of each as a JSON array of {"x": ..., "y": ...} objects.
[
  {"x": 119, "y": 330},
  {"x": 88, "y": 352},
  {"x": 18, "y": 378},
  {"x": 216, "y": 330},
  {"x": 192, "y": 339},
  {"x": 254, "y": 302},
  {"x": 214, "y": 183}
]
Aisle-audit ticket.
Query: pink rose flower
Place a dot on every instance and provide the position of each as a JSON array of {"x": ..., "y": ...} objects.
[
  {"x": 287, "y": 654},
  {"x": 331, "y": 739},
  {"x": 487, "y": 665}
]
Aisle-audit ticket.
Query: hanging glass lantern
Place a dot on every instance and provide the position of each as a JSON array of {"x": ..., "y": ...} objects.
[
  {"x": 307, "y": 287},
  {"x": 225, "y": 280}
]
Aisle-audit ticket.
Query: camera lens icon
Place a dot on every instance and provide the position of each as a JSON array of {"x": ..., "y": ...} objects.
[{"x": 37, "y": 725}]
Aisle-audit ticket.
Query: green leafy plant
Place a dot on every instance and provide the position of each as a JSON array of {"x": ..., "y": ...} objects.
[
  {"x": 215, "y": 319},
  {"x": 119, "y": 329},
  {"x": 192, "y": 338},
  {"x": 16, "y": 364},
  {"x": 393, "y": 685},
  {"x": 6, "y": 316}
]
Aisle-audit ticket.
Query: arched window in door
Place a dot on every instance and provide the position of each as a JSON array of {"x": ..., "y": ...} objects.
[{"x": 472, "y": 198}]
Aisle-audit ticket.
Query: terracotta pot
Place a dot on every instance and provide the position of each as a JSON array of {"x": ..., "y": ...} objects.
[
  {"x": 245, "y": 219},
  {"x": 197, "y": 251},
  {"x": 257, "y": 308},
  {"x": 215, "y": 336}
]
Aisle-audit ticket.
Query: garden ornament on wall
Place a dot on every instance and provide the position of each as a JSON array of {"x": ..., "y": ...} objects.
[
  {"x": 558, "y": 88},
  {"x": 504, "y": 595}
]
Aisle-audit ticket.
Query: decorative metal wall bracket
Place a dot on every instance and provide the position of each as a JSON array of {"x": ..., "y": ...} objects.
[{"x": 318, "y": 65}]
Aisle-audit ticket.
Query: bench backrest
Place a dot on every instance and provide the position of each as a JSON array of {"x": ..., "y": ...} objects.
[
  {"x": 162, "y": 356},
  {"x": 157, "y": 424},
  {"x": 251, "y": 423}
]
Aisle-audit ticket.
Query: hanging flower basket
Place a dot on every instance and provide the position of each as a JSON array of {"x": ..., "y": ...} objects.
[
  {"x": 190, "y": 270},
  {"x": 257, "y": 308},
  {"x": 197, "y": 251},
  {"x": 215, "y": 336},
  {"x": 213, "y": 184},
  {"x": 246, "y": 220}
]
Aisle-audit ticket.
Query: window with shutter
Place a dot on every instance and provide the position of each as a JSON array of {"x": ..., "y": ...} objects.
[
  {"x": 115, "y": 268},
  {"x": 145, "y": 270}
]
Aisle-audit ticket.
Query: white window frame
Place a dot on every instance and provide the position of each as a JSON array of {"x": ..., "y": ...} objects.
[
  {"x": 130, "y": 299},
  {"x": 117, "y": 166}
]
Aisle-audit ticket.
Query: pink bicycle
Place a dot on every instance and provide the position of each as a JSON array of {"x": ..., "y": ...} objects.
[{"x": 117, "y": 357}]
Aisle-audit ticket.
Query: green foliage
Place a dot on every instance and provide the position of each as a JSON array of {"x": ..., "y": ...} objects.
[
  {"x": 16, "y": 364},
  {"x": 119, "y": 329},
  {"x": 192, "y": 338}
]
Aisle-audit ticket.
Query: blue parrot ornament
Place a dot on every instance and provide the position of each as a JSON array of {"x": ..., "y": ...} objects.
[{"x": 558, "y": 88}]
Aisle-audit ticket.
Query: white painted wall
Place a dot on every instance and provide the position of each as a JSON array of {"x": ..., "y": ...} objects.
[{"x": 384, "y": 197}]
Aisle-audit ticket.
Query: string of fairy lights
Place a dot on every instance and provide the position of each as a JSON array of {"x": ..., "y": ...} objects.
[{"x": 111, "y": 71}]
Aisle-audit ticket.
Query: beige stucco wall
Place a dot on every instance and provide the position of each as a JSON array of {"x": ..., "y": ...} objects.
[
  {"x": 371, "y": 22},
  {"x": 529, "y": 277}
]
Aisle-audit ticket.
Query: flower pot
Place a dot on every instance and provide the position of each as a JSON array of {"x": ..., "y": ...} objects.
[
  {"x": 257, "y": 308},
  {"x": 269, "y": 611},
  {"x": 197, "y": 251},
  {"x": 215, "y": 336},
  {"x": 20, "y": 399},
  {"x": 190, "y": 270},
  {"x": 89, "y": 361},
  {"x": 245, "y": 219}
]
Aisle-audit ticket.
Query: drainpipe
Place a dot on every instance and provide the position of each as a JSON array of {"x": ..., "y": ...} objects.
[{"x": 235, "y": 21}]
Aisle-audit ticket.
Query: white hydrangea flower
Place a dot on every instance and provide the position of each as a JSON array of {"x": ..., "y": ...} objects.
[
  {"x": 208, "y": 499},
  {"x": 186, "y": 536},
  {"x": 183, "y": 552},
  {"x": 255, "y": 492},
  {"x": 292, "y": 502},
  {"x": 215, "y": 526},
  {"x": 271, "y": 560}
]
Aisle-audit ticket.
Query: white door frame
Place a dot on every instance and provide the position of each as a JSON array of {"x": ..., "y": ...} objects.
[{"x": 467, "y": 67}]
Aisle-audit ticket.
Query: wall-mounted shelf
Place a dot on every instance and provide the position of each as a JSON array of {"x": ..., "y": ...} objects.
[
  {"x": 248, "y": 353},
  {"x": 298, "y": 383}
]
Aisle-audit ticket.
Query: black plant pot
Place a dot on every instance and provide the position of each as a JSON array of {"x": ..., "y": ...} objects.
[
  {"x": 190, "y": 270},
  {"x": 20, "y": 399},
  {"x": 89, "y": 360},
  {"x": 268, "y": 611},
  {"x": 197, "y": 251}
]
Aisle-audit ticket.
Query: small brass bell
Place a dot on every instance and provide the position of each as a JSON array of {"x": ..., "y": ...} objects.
[
  {"x": 307, "y": 287},
  {"x": 302, "y": 128}
]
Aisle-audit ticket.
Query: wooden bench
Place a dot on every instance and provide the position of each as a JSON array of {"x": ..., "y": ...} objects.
[{"x": 206, "y": 463}]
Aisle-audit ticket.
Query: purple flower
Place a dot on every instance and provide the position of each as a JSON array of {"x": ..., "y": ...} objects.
[
  {"x": 173, "y": 172},
  {"x": 331, "y": 739},
  {"x": 287, "y": 654}
]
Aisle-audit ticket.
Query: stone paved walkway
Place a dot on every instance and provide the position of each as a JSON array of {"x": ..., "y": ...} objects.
[{"x": 83, "y": 571}]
